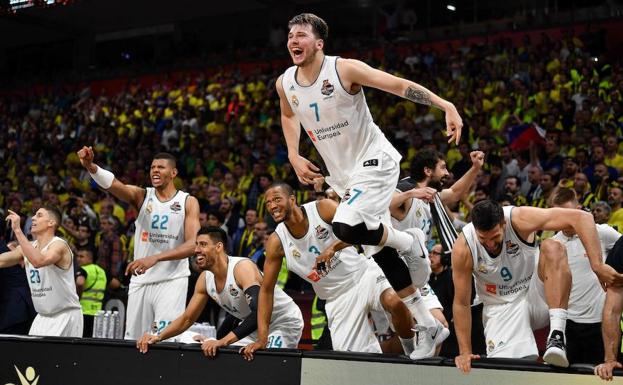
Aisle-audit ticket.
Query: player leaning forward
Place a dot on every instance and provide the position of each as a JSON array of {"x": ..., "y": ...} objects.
[
  {"x": 49, "y": 268},
  {"x": 234, "y": 284},
  {"x": 499, "y": 249},
  {"x": 166, "y": 226},
  {"x": 351, "y": 284}
]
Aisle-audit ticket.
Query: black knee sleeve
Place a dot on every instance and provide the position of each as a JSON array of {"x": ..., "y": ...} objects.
[
  {"x": 358, "y": 234},
  {"x": 394, "y": 268}
]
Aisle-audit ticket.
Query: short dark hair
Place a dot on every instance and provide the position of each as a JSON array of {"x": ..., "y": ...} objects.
[
  {"x": 88, "y": 249},
  {"x": 426, "y": 158},
  {"x": 517, "y": 180},
  {"x": 166, "y": 156},
  {"x": 487, "y": 214},
  {"x": 216, "y": 234},
  {"x": 217, "y": 214},
  {"x": 284, "y": 186},
  {"x": 319, "y": 26},
  {"x": 54, "y": 212},
  {"x": 563, "y": 195}
]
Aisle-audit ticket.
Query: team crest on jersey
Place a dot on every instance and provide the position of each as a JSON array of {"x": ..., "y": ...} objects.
[
  {"x": 511, "y": 248},
  {"x": 150, "y": 206},
  {"x": 321, "y": 232},
  {"x": 490, "y": 346},
  {"x": 176, "y": 206},
  {"x": 482, "y": 266},
  {"x": 295, "y": 100},
  {"x": 327, "y": 88},
  {"x": 233, "y": 291},
  {"x": 295, "y": 253}
]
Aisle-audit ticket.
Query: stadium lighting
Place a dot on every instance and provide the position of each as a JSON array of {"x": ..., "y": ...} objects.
[{"x": 451, "y": 7}]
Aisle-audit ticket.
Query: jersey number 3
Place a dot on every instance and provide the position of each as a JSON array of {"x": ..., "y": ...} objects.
[{"x": 159, "y": 222}]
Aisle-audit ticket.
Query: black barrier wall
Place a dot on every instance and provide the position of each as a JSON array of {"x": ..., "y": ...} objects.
[
  {"x": 91, "y": 362},
  {"x": 66, "y": 361}
]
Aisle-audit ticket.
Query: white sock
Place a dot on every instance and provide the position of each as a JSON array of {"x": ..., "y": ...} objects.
[
  {"x": 408, "y": 345},
  {"x": 418, "y": 309},
  {"x": 398, "y": 240},
  {"x": 557, "y": 320}
]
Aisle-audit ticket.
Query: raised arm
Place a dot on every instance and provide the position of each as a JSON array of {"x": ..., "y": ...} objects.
[
  {"x": 305, "y": 170},
  {"x": 57, "y": 254},
  {"x": 462, "y": 266},
  {"x": 272, "y": 265},
  {"x": 526, "y": 220},
  {"x": 183, "y": 322},
  {"x": 186, "y": 249},
  {"x": 133, "y": 195},
  {"x": 355, "y": 73},
  {"x": 462, "y": 187}
]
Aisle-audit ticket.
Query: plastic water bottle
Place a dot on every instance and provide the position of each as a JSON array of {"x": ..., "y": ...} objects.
[
  {"x": 97, "y": 324},
  {"x": 105, "y": 324},
  {"x": 111, "y": 326},
  {"x": 118, "y": 328},
  {"x": 211, "y": 332}
]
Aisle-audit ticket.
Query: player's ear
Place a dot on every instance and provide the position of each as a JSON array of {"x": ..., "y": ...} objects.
[
  {"x": 174, "y": 172},
  {"x": 320, "y": 44}
]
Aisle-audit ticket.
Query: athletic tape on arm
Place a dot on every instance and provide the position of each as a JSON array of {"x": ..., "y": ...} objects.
[{"x": 103, "y": 178}]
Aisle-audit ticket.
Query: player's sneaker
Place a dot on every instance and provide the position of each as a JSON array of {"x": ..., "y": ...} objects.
[
  {"x": 556, "y": 350},
  {"x": 427, "y": 339}
]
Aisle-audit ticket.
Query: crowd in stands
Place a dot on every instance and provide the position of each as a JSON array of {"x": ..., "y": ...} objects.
[{"x": 225, "y": 132}]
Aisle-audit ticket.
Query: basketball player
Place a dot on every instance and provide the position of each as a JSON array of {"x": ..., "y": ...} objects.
[
  {"x": 234, "y": 283},
  {"x": 49, "y": 270},
  {"x": 350, "y": 284},
  {"x": 586, "y": 299},
  {"x": 411, "y": 207},
  {"x": 166, "y": 226},
  {"x": 499, "y": 249},
  {"x": 324, "y": 95},
  {"x": 611, "y": 326}
]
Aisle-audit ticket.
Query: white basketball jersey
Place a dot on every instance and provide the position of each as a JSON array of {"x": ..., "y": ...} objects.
[
  {"x": 234, "y": 301},
  {"x": 52, "y": 289},
  {"x": 586, "y": 300},
  {"x": 506, "y": 277},
  {"x": 338, "y": 123},
  {"x": 347, "y": 266},
  {"x": 160, "y": 227},
  {"x": 419, "y": 216}
]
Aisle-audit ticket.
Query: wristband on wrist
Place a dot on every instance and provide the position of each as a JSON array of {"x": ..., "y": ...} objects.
[{"x": 103, "y": 178}]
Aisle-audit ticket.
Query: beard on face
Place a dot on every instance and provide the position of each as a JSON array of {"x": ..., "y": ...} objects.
[{"x": 437, "y": 184}]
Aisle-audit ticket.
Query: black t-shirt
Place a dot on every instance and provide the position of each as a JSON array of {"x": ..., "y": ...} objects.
[{"x": 615, "y": 256}]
